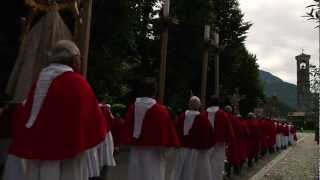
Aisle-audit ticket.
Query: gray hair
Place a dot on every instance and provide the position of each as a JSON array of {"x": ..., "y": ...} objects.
[
  {"x": 194, "y": 103},
  {"x": 251, "y": 115},
  {"x": 228, "y": 108},
  {"x": 63, "y": 51}
]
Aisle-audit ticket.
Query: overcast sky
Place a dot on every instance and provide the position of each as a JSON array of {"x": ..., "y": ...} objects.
[{"x": 279, "y": 33}]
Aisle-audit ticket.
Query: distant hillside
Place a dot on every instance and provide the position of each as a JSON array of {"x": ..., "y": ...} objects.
[{"x": 286, "y": 92}]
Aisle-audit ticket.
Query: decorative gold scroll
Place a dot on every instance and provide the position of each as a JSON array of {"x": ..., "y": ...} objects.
[{"x": 46, "y": 5}]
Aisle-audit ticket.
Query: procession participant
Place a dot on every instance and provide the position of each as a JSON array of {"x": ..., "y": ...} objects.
[
  {"x": 114, "y": 126},
  {"x": 278, "y": 136},
  {"x": 196, "y": 136},
  {"x": 244, "y": 139},
  {"x": 223, "y": 133},
  {"x": 149, "y": 132},
  {"x": 60, "y": 133},
  {"x": 263, "y": 140},
  {"x": 291, "y": 134},
  {"x": 253, "y": 140},
  {"x": 7, "y": 112},
  {"x": 271, "y": 135},
  {"x": 236, "y": 151},
  {"x": 286, "y": 132}
]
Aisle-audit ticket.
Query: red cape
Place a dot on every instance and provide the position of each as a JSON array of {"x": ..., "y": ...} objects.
[
  {"x": 158, "y": 128},
  {"x": 264, "y": 134},
  {"x": 253, "y": 144},
  {"x": 222, "y": 131},
  {"x": 69, "y": 122},
  {"x": 200, "y": 135},
  {"x": 286, "y": 130},
  {"x": 271, "y": 133},
  {"x": 114, "y": 124},
  {"x": 237, "y": 151},
  {"x": 245, "y": 136}
]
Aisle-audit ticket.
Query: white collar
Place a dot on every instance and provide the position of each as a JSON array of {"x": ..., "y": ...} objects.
[
  {"x": 213, "y": 109},
  {"x": 190, "y": 116},
  {"x": 141, "y": 106},
  {"x": 47, "y": 75},
  {"x": 145, "y": 100}
]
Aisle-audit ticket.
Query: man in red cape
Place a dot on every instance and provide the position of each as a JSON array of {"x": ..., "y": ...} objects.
[
  {"x": 253, "y": 144},
  {"x": 149, "y": 131},
  {"x": 60, "y": 133},
  {"x": 271, "y": 135},
  {"x": 236, "y": 152},
  {"x": 278, "y": 135},
  {"x": 222, "y": 134},
  {"x": 196, "y": 136},
  {"x": 263, "y": 141}
]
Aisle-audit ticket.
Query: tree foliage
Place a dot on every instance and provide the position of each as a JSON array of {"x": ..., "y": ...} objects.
[
  {"x": 125, "y": 47},
  {"x": 314, "y": 11},
  {"x": 315, "y": 79}
]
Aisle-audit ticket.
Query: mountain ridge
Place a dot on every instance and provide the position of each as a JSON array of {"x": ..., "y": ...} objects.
[{"x": 275, "y": 86}]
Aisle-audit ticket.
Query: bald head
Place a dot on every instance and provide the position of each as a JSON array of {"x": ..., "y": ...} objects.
[
  {"x": 194, "y": 103},
  {"x": 65, "y": 52},
  {"x": 251, "y": 115}
]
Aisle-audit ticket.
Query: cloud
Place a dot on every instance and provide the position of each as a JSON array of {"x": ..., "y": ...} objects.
[{"x": 279, "y": 33}]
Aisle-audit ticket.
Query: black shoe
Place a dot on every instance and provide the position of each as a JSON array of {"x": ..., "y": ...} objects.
[
  {"x": 228, "y": 169},
  {"x": 256, "y": 159},
  {"x": 95, "y": 178},
  {"x": 236, "y": 170},
  {"x": 249, "y": 162}
]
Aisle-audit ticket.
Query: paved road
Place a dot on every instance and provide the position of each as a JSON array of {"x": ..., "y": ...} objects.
[{"x": 301, "y": 162}]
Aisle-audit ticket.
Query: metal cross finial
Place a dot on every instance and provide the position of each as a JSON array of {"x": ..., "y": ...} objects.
[{"x": 235, "y": 99}]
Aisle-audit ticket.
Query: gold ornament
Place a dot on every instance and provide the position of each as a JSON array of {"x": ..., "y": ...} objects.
[{"x": 48, "y": 5}]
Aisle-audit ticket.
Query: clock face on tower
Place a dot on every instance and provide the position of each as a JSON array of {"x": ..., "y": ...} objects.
[{"x": 303, "y": 66}]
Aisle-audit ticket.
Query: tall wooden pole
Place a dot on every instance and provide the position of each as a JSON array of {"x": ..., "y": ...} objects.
[
  {"x": 216, "y": 66},
  {"x": 204, "y": 76},
  {"x": 83, "y": 33},
  {"x": 163, "y": 51}
]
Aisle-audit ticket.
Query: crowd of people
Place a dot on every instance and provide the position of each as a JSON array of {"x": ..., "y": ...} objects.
[{"x": 61, "y": 132}]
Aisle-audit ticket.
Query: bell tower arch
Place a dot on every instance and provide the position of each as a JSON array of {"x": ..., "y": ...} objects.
[{"x": 303, "y": 82}]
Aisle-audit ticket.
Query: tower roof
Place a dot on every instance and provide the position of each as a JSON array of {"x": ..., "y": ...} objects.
[{"x": 303, "y": 57}]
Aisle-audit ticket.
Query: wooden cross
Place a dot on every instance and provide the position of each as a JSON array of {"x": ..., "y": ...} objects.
[{"x": 235, "y": 99}]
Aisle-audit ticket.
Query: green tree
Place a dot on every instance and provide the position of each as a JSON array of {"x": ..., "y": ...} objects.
[
  {"x": 314, "y": 11},
  {"x": 315, "y": 79},
  {"x": 120, "y": 49}
]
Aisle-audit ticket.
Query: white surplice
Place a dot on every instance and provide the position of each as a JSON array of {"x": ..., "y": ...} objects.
[
  {"x": 278, "y": 140},
  {"x": 146, "y": 163},
  {"x": 191, "y": 163},
  {"x": 217, "y": 157},
  {"x": 81, "y": 167}
]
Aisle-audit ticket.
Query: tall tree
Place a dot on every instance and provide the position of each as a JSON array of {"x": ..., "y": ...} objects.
[{"x": 121, "y": 47}]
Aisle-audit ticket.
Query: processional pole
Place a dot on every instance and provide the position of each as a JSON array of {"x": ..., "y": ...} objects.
[
  {"x": 216, "y": 65},
  {"x": 163, "y": 50},
  {"x": 204, "y": 76},
  {"x": 83, "y": 33}
]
